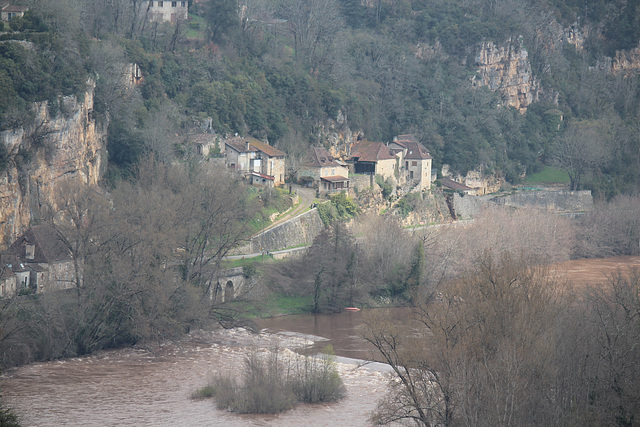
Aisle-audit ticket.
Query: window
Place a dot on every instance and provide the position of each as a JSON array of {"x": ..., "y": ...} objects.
[
  {"x": 174, "y": 3},
  {"x": 414, "y": 163},
  {"x": 183, "y": 4},
  {"x": 29, "y": 251},
  {"x": 151, "y": 3},
  {"x": 161, "y": 4}
]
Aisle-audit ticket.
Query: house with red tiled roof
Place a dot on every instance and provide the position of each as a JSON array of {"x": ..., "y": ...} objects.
[
  {"x": 372, "y": 158},
  {"x": 320, "y": 170},
  {"x": 40, "y": 260},
  {"x": 9, "y": 11},
  {"x": 415, "y": 160},
  {"x": 258, "y": 161}
]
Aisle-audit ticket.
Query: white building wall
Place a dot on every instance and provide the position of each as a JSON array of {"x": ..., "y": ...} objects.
[{"x": 168, "y": 11}]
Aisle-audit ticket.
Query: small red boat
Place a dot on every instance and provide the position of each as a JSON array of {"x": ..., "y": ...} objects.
[{"x": 352, "y": 309}]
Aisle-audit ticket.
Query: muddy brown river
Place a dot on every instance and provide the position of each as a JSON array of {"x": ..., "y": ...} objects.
[{"x": 151, "y": 386}]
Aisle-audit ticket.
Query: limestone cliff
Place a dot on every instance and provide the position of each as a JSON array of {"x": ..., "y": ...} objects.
[
  {"x": 52, "y": 150},
  {"x": 507, "y": 69},
  {"x": 627, "y": 62},
  {"x": 337, "y": 136}
]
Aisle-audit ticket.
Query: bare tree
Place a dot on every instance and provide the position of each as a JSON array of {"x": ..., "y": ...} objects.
[
  {"x": 478, "y": 353},
  {"x": 312, "y": 24},
  {"x": 583, "y": 150}
]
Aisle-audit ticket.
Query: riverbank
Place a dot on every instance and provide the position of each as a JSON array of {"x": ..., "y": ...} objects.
[{"x": 152, "y": 386}]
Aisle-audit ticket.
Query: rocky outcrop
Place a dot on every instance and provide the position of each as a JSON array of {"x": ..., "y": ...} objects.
[
  {"x": 507, "y": 69},
  {"x": 626, "y": 62},
  {"x": 337, "y": 136},
  {"x": 53, "y": 150}
]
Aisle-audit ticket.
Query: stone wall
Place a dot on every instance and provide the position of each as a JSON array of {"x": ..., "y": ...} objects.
[
  {"x": 554, "y": 201},
  {"x": 44, "y": 156},
  {"x": 467, "y": 207},
  {"x": 300, "y": 230}
]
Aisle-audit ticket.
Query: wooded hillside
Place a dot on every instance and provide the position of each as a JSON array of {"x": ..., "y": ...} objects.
[{"x": 283, "y": 69}]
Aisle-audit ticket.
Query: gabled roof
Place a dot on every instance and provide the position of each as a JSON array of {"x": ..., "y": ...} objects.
[
  {"x": 240, "y": 145},
  {"x": 368, "y": 151},
  {"x": 405, "y": 138},
  {"x": 15, "y": 8},
  {"x": 318, "y": 158},
  {"x": 415, "y": 150},
  {"x": 49, "y": 246},
  {"x": 258, "y": 174},
  {"x": 453, "y": 185},
  {"x": 202, "y": 138},
  {"x": 335, "y": 178}
]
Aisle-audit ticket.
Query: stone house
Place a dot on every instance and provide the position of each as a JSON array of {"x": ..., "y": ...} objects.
[
  {"x": 259, "y": 162},
  {"x": 320, "y": 170},
  {"x": 167, "y": 11},
  {"x": 9, "y": 11},
  {"x": 415, "y": 160},
  {"x": 40, "y": 261},
  {"x": 204, "y": 144},
  {"x": 372, "y": 158},
  {"x": 449, "y": 184}
]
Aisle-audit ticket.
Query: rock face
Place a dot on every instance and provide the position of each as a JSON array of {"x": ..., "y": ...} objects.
[
  {"x": 52, "y": 151},
  {"x": 507, "y": 69},
  {"x": 627, "y": 62},
  {"x": 337, "y": 136}
]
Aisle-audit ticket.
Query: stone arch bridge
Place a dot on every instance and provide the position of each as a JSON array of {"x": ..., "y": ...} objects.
[{"x": 228, "y": 284}]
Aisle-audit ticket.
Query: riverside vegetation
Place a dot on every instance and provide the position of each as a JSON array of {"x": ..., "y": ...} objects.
[{"x": 274, "y": 382}]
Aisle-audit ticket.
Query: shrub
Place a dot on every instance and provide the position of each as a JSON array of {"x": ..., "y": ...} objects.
[
  {"x": 316, "y": 380},
  {"x": 271, "y": 385},
  {"x": 8, "y": 418}
]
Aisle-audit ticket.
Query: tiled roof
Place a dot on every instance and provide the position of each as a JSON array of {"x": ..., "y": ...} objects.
[
  {"x": 202, "y": 138},
  {"x": 49, "y": 246},
  {"x": 318, "y": 158},
  {"x": 334, "y": 178},
  {"x": 405, "y": 138},
  {"x": 449, "y": 183},
  {"x": 14, "y": 8},
  {"x": 368, "y": 151},
  {"x": 240, "y": 145},
  {"x": 261, "y": 175},
  {"x": 415, "y": 150}
]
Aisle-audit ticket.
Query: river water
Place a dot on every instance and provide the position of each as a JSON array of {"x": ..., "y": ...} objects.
[{"x": 151, "y": 386}]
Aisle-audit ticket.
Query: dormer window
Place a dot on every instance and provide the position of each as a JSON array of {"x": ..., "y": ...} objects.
[{"x": 29, "y": 251}]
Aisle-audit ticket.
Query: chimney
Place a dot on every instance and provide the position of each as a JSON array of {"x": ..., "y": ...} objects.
[{"x": 248, "y": 145}]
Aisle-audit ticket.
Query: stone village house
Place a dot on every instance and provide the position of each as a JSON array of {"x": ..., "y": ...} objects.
[
  {"x": 38, "y": 261},
  {"x": 259, "y": 162},
  {"x": 204, "y": 144},
  {"x": 168, "y": 11},
  {"x": 320, "y": 170},
  {"x": 414, "y": 159},
  {"x": 9, "y": 11},
  {"x": 372, "y": 158}
]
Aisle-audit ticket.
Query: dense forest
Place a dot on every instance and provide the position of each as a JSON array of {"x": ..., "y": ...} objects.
[
  {"x": 285, "y": 71},
  {"x": 282, "y": 70}
]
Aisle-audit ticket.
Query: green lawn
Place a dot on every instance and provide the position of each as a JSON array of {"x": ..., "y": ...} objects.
[
  {"x": 549, "y": 175},
  {"x": 196, "y": 27}
]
